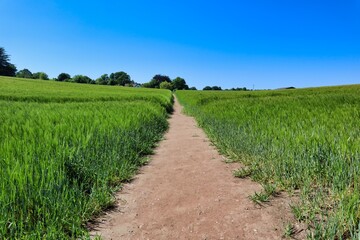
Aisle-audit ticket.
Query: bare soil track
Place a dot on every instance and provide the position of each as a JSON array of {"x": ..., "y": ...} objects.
[{"x": 188, "y": 192}]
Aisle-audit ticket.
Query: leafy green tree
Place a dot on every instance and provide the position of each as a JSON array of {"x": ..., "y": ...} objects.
[
  {"x": 156, "y": 81},
  {"x": 119, "y": 78},
  {"x": 216, "y": 88},
  {"x": 81, "y": 79},
  {"x": 180, "y": 84},
  {"x": 40, "y": 75},
  {"x": 6, "y": 68},
  {"x": 152, "y": 84},
  {"x": 146, "y": 85},
  {"x": 63, "y": 77},
  {"x": 166, "y": 85},
  {"x": 25, "y": 73},
  {"x": 103, "y": 80},
  {"x": 161, "y": 78},
  {"x": 4, "y": 58},
  {"x": 192, "y": 88}
]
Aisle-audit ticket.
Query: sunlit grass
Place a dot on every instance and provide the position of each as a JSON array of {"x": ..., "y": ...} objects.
[
  {"x": 307, "y": 139},
  {"x": 61, "y": 160}
]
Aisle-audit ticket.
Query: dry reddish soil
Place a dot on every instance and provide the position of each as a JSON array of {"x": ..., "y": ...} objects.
[{"x": 188, "y": 192}]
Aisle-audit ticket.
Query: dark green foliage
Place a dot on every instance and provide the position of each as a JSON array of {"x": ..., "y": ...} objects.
[
  {"x": 6, "y": 68},
  {"x": 166, "y": 85},
  {"x": 63, "y": 77},
  {"x": 4, "y": 58},
  {"x": 147, "y": 85},
  {"x": 119, "y": 78},
  {"x": 103, "y": 80},
  {"x": 25, "y": 73},
  {"x": 40, "y": 75},
  {"x": 156, "y": 81},
  {"x": 81, "y": 79},
  {"x": 179, "y": 84},
  {"x": 161, "y": 78},
  {"x": 239, "y": 89},
  {"x": 9, "y": 70},
  {"x": 152, "y": 84},
  {"x": 207, "y": 88},
  {"x": 163, "y": 81},
  {"x": 214, "y": 88}
]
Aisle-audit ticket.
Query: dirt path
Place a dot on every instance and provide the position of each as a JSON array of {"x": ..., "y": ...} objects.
[{"x": 188, "y": 192}]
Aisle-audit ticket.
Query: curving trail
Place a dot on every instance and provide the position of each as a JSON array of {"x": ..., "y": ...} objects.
[{"x": 188, "y": 192}]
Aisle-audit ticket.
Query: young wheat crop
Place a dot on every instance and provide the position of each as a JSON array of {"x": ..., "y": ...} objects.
[
  {"x": 307, "y": 139},
  {"x": 64, "y": 150}
]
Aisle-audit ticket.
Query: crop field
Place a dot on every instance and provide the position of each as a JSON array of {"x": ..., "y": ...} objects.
[
  {"x": 304, "y": 141},
  {"x": 65, "y": 148}
]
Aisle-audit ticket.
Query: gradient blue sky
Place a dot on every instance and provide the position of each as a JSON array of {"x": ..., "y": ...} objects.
[{"x": 266, "y": 44}]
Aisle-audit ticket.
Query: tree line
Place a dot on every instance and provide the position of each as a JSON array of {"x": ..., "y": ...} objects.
[
  {"x": 6, "y": 68},
  {"x": 164, "y": 82},
  {"x": 217, "y": 88},
  {"x": 120, "y": 78}
]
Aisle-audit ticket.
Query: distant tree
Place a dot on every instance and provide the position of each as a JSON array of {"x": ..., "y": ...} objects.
[
  {"x": 9, "y": 70},
  {"x": 63, "y": 77},
  {"x": 119, "y": 78},
  {"x": 40, "y": 75},
  {"x": 161, "y": 78},
  {"x": 207, "y": 88},
  {"x": 25, "y": 73},
  {"x": 4, "y": 58},
  {"x": 239, "y": 89},
  {"x": 146, "y": 85},
  {"x": 6, "y": 68},
  {"x": 81, "y": 79},
  {"x": 192, "y": 88},
  {"x": 103, "y": 79},
  {"x": 180, "y": 84},
  {"x": 156, "y": 81},
  {"x": 152, "y": 84},
  {"x": 166, "y": 85},
  {"x": 216, "y": 88}
]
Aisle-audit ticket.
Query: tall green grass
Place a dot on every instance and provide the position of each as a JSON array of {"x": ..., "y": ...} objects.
[
  {"x": 32, "y": 90},
  {"x": 306, "y": 139},
  {"x": 61, "y": 161}
]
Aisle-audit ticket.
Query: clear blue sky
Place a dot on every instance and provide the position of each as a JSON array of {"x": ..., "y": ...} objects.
[{"x": 266, "y": 44}]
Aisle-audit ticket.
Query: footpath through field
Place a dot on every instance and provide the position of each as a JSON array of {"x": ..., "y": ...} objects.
[{"x": 188, "y": 192}]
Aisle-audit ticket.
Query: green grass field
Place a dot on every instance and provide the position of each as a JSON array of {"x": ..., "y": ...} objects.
[
  {"x": 305, "y": 140},
  {"x": 65, "y": 148}
]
